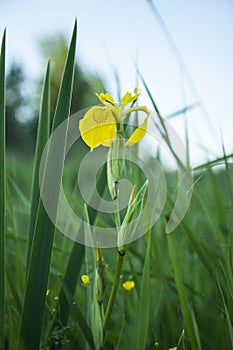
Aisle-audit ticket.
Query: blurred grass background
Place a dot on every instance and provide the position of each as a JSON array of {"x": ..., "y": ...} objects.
[{"x": 202, "y": 246}]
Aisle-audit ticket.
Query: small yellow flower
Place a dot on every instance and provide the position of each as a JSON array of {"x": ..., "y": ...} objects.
[
  {"x": 128, "y": 285},
  {"x": 175, "y": 348},
  {"x": 85, "y": 280},
  {"x": 47, "y": 292}
]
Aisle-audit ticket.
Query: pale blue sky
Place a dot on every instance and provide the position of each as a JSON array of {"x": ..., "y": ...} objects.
[{"x": 112, "y": 34}]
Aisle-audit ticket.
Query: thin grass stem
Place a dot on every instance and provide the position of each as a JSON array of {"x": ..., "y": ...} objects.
[{"x": 113, "y": 293}]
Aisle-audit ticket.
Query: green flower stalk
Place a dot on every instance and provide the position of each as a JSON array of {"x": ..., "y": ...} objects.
[{"x": 100, "y": 276}]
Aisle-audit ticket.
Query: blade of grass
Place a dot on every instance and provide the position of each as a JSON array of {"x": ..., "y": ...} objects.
[
  {"x": 38, "y": 271},
  {"x": 65, "y": 92},
  {"x": 144, "y": 301},
  {"x": 164, "y": 131},
  {"x": 74, "y": 264},
  {"x": 189, "y": 317},
  {"x": 70, "y": 280},
  {"x": 227, "y": 315},
  {"x": 86, "y": 331},
  {"x": 94, "y": 299},
  {"x": 42, "y": 137},
  {"x": 211, "y": 163},
  {"x": 185, "y": 229},
  {"x": 230, "y": 186},
  {"x": 2, "y": 190},
  {"x": 182, "y": 111}
]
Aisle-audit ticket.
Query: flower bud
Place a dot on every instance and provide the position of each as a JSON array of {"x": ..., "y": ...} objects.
[
  {"x": 115, "y": 165},
  {"x": 134, "y": 211}
]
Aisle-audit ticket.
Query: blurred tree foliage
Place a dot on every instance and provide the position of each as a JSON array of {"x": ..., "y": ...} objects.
[
  {"x": 85, "y": 84},
  {"x": 23, "y": 95},
  {"x": 20, "y": 112}
]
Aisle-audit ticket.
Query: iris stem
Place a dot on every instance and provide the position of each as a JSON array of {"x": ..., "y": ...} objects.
[
  {"x": 113, "y": 293},
  {"x": 117, "y": 214}
]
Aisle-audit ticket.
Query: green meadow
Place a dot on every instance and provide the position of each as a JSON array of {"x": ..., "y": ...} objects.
[{"x": 163, "y": 291}]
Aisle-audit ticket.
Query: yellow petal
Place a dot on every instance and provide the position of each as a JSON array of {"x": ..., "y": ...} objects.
[
  {"x": 106, "y": 99},
  {"x": 98, "y": 127},
  {"x": 107, "y": 143},
  {"x": 128, "y": 285},
  {"x": 128, "y": 97},
  {"x": 138, "y": 134}
]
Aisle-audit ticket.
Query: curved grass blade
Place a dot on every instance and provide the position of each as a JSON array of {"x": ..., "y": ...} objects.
[
  {"x": 42, "y": 138},
  {"x": 40, "y": 257},
  {"x": 86, "y": 331},
  {"x": 75, "y": 262},
  {"x": 144, "y": 301},
  {"x": 227, "y": 315},
  {"x": 70, "y": 281},
  {"x": 189, "y": 316},
  {"x": 94, "y": 296},
  {"x": 2, "y": 190}
]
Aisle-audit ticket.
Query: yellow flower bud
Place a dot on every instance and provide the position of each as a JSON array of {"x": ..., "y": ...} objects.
[{"x": 85, "y": 280}]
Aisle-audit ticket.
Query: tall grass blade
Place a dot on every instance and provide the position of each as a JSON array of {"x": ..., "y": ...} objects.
[
  {"x": 42, "y": 138},
  {"x": 70, "y": 280},
  {"x": 144, "y": 302},
  {"x": 40, "y": 258},
  {"x": 227, "y": 315},
  {"x": 189, "y": 317},
  {"x": 84, "y": 327},
  {"x": 2, "y": 191},
  {"x": 75, "y": 263},
  {"x": 211, "y": 163},
  {"x": 65, "y": 92},
  {"x": 163, "y": 131}
]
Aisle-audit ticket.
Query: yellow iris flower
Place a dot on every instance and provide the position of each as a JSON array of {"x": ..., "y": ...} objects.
[{"x": 100, "y": 124}]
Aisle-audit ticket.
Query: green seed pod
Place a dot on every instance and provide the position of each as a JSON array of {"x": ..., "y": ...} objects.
[{"x": 115, "y": 165}]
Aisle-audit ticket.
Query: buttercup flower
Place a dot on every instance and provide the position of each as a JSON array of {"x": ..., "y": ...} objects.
[
  {"x": 128, "y": 285},
  {"x": 101, "y": 124},
  {"x": 85, "y": 280}
]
